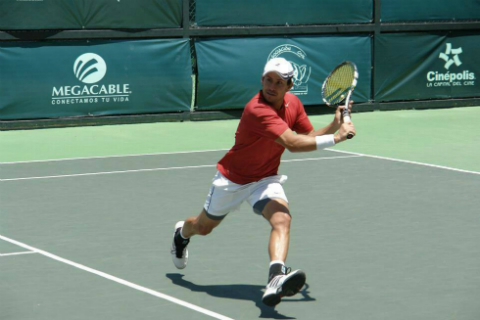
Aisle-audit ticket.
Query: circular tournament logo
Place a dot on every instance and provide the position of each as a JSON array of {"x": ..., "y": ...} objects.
[
  {"x": 90, "y": 68},
  {"x": 301, "y": 71}
]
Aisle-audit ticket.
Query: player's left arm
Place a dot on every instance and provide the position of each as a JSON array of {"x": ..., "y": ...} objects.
[
  {"x": 303, "y": 143},
  {"x": 333, "y": 126}
]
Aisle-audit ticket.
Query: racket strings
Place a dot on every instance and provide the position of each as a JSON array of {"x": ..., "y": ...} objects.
[{"x": 339, "y": 83}]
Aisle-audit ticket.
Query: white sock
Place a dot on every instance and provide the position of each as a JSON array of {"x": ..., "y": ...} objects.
[{"x": 181, "y": 234}]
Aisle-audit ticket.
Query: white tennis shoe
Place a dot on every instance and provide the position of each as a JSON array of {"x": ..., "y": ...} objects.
[
  {"x": 179, "y": 256},
  {"x": 283, "y": 285}
]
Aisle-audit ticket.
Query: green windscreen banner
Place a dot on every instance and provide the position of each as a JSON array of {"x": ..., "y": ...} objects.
[
  {"x": 426, "y": 66},
  {"x": 429, "y": 10},
  {"x": 80, "y": 78},
  {"x": 281, "y": 12},
  {"x": 230, "y": 70},
  {"x": 88, "y": 14}
]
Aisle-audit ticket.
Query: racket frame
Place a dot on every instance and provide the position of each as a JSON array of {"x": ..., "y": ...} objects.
[{"x": 346, "y": 114}]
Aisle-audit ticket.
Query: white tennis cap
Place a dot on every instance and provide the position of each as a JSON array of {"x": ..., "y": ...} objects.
[{"x": 281, "y": 66}]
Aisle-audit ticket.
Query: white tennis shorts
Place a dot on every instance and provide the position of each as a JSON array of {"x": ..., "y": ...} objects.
[{"x": 226, "y": 196}]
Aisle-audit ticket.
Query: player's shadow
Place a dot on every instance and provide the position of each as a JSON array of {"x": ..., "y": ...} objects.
[{"x": 240, "y": 291}]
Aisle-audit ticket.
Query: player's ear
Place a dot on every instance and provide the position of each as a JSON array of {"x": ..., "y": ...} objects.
[{"x": 290, "y": 84}]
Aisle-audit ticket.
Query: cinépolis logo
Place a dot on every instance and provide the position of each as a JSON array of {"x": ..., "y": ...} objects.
[
  {"x": 451, "y": 77},
  {"x": 90, "y": 69}
]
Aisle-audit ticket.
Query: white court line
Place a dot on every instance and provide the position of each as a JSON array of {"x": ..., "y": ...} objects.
[
  {"x": 322, "y": 158},
  {"x": 118, "y": 280},
  {"x": 109, "y": 172},
  {"x": 113, "y": 157},
  {"x": 406, "y": 161},
  {"x": 217, "y": 150},
  {"x": 160, "y": 169},
  {"x": 16, "y": 253}
]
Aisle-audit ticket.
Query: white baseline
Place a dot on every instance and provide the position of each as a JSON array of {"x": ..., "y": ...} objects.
[
  {"x": 218, "y": 150},
  {"x": 159, "y": 169}
]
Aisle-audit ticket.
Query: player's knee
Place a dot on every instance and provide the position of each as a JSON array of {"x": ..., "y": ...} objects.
[
  {"x": 282, "y": 221},
  {"x": 286, "y": 219},
  {"x": 204, "y": 230}
]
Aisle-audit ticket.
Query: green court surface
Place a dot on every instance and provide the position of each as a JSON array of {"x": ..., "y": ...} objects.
[
  {"x": 385, "y": 226},
  {"x": 443, "y": 137}
]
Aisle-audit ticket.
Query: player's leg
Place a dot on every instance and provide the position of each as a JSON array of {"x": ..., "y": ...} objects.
[
  {"x": 199, "y": 225},
  {"x": 202, "y": 224},
  {"x": 281, "y": 281},
  {"x": 224, "y": 196},
  {"x": 269, "y": 200},
  {"x": 276, "y": 212}
]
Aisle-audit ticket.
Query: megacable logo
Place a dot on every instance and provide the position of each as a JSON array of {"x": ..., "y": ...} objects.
[{"x": 90, "y": 68}]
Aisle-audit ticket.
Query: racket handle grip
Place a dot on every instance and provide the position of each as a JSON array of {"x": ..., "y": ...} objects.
[{"x": 346, "y": 118}]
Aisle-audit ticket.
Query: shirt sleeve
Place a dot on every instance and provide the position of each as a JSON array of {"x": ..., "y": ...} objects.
[
  {"x": 302, "y": 123},
  {"x": 265, "y": 122}
]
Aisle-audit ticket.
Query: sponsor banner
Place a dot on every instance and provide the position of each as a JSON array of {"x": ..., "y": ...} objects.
[
  {"x": 230, "y": 70},
  {"x": 87, "y": 14},
  {"x": 281, "y": 12},
  {"x": 426, "y": 66},
  {"x": 52, "y": 79},
  {"x": 429, "y": 10}
]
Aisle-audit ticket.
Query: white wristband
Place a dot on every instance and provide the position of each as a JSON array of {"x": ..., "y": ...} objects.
[{"x": 325, "y": 141}]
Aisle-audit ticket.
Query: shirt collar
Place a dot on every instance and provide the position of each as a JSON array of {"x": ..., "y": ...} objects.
[{"x": 285, "y": 101}]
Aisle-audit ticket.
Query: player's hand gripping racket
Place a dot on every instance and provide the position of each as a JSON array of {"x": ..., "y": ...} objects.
[{"x": 338, "y": 87}]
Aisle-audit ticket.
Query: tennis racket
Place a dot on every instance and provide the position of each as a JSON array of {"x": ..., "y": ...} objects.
[{"x": 338, "y": 87}]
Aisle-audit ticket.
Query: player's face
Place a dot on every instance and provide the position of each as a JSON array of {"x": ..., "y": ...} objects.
[{"x": 274, "y": 88}]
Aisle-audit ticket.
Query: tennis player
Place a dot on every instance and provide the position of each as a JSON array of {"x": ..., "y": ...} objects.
[{"x": 249, "y": 172}]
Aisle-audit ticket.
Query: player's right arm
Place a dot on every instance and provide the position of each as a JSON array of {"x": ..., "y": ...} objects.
[{"x": 303, "y": 143}]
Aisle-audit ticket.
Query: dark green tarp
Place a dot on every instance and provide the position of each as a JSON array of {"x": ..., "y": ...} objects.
[
  {"x": 281, "y": 12},
  {"x": 426, "y": 66},
  {"x": 80, "y": 78},
  {"x": 88, "y": 14},
  {"x": 230, "y": 70},
  {"x": 429, "y": 10}
]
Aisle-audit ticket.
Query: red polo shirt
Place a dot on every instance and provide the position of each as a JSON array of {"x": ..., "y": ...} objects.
[{"x": 255, "y": 154}]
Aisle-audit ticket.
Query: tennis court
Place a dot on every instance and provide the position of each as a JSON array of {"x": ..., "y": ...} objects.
[{"x": 387, "y": 227}]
